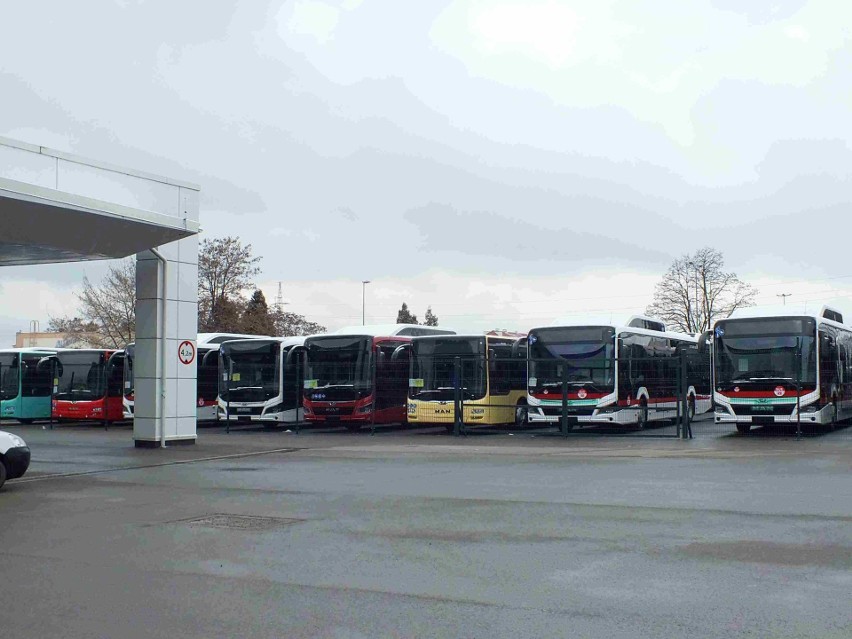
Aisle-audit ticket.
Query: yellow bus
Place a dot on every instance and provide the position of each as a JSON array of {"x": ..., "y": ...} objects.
[{"x": 490, "y": 372}]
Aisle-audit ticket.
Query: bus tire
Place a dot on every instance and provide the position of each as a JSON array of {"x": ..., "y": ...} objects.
[
  {"x": 3, "y": 472},
  {"x": 642, "y": 422},
  {"x": 743, "y": 429},
  {"x": 521, "y": 412},
  {"x": 25, "y": 421},
  {"x": 834, "y": 414}
]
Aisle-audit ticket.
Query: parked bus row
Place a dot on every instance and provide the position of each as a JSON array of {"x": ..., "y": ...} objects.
[{"x": 757, "y": 367}]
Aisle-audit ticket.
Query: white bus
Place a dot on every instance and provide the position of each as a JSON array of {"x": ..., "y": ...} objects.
[
  {"x": 207, "y": 366},
  {"x": 779, "y": 365},
  {"x": 258, "y": 382},
  {"x": 616, "y": 374}
]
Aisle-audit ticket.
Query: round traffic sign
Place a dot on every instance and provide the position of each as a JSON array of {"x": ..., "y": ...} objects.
[{"x": 186, "y": 352}]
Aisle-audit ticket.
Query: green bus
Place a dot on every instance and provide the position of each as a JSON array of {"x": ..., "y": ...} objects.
[{"x": 24, "y": 385}]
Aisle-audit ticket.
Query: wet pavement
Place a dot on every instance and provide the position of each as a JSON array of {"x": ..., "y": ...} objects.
[{"x": 414, "y": 534}]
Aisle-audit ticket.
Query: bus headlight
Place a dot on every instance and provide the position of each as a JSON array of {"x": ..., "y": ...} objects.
[
  {"x": 477, "y": 411},
  {"x": 810, "y": 409},
  {"x": 412, "y": 408},
  {"x": 97, "y": 409},
  {"x": 367, "y": 408}
]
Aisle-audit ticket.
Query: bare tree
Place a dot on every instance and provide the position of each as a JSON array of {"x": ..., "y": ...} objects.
[
  {"x": 696, "y": 291},
  {"x": 107, "y": 310},
  {"x": 225, "y": 269},
  {"x": 78, "y": 332}
]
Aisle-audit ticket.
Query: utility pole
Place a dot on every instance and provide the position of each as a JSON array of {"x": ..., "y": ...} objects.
[
  {"x": 783, "y": 297},
  {"x": 363, "y": 301},
  {"x": 279, "y": 299}
]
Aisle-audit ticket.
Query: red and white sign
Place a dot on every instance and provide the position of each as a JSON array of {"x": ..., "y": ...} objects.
[
  {"x": 779, "y": 391},
  {"x": 201, "y": 401},
  {"x": 186, "y": 352},
  {"x": 582, "y": 393}
]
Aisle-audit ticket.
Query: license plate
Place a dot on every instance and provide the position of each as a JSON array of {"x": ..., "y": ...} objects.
[
  {"x": 244, "y": 410},
  {"x": 333, "y": 418}
]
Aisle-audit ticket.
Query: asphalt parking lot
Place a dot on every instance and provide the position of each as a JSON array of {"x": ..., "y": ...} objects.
[{"x": 416, "y": 534}]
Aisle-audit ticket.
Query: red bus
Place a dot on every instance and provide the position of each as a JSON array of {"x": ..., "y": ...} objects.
[
  {"x": 352, "y": 376},
  {"x": 89, "y": 385}
]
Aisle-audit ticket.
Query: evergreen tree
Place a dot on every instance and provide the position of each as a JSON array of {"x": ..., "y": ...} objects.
[
  {"x": 430, "y": 318},
  {"x": 404, "y": 316},
  {"x": 256, "y": 319}
]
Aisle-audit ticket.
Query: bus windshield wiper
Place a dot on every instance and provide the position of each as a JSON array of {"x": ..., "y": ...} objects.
[{"x": 757, "y": 379}]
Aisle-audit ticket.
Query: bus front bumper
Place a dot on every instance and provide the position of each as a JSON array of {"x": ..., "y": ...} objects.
[
  {"x": 809, "y": 415},
  {"x": 621, "y": 416}
]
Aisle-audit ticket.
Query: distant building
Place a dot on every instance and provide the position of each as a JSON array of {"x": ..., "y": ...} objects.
[
  {"x": 502, "y": 332},
  {"x": 52, "y": 340}
]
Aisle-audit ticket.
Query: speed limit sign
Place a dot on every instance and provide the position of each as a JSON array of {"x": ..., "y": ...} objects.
[{"x": 186, "y": 352}]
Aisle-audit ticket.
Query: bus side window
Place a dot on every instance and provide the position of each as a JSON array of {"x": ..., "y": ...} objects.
[{"x": 498, "y": 366}]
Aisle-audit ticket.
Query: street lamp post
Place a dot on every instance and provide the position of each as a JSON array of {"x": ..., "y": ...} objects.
[
  {"x": 363, "y": 301},
  {"x": 783, "y": 297}
]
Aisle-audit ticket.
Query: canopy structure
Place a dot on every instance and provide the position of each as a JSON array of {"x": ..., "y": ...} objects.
[
  {"x": 55, "y": 207},
  {"x": 58, "y": 207}
]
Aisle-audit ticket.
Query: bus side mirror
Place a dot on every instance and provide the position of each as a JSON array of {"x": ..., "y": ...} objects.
[
  {"x": 704, "y": 342},
  {"x": 399, "y": 350}
]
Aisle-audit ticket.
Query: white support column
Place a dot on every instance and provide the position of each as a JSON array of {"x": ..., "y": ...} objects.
[{"x": 176, "y": 386}]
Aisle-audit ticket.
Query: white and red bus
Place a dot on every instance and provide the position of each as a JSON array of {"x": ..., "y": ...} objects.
[
  {"x": 615, "y": 374},
  {"x": 780, "y": 365},
  {"x": 207, "y": 367},
  {"x": 258, "y": 381},
  {"x": 89, "y": 384},
  {"x": 353, "y": 378}
]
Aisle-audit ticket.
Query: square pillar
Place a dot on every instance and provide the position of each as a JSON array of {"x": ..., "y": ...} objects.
[{"x": 166, "y": 389}]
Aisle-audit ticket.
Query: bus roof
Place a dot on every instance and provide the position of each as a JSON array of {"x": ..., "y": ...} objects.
[
  {"x": 218, "y": 338},
  {"x": 608, "y": 319},
  {"x": 34, "y": 349},
  {"x": 827, "y": 314},
  {"x": 296, "y": 340},
  {"x": 393, "y": 330},
  {"x": 461, "y": 336},
  {"x": 633, "y": 325}
]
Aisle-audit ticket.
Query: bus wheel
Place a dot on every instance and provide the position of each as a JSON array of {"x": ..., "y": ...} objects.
[
  {"x": 643, "y": 415},
  {"x": 2, "y": 473},
  {"x": 25, "y": 421},
  {"x": 833, "y": 423},
  {"x": 520, "y": 415},
  {"x": 743, "y": 429}
]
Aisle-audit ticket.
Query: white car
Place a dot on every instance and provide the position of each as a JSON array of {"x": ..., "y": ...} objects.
[{"x": 14, "y": 457}]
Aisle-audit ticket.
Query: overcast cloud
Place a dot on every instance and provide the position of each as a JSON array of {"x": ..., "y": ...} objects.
[{"x": 505, "y": 162}]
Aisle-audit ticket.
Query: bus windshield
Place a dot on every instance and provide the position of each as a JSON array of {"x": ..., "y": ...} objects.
[
  {"x": 9, "y": 375},
  {"x": 434, "y": 372},
  {"x": 772, "y": 350},
  {"x": 589, "y": 352},
  {"x": 339, "y": 367},
  {"x": 82, "y": 376},
  {"x": 207, "y": 371},
  {"x": 253, "y": 369}
]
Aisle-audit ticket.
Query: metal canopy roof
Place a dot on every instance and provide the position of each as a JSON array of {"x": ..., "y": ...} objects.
[
  {"x": 36, "y": 229},
  {"x": 55, "y": 207}
]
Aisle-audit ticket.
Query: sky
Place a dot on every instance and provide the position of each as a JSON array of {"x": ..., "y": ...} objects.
[{"x": 503, "y": 162}]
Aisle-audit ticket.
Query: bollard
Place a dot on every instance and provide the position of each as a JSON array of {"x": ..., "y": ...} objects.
[{"x": 564, "y": 424}]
